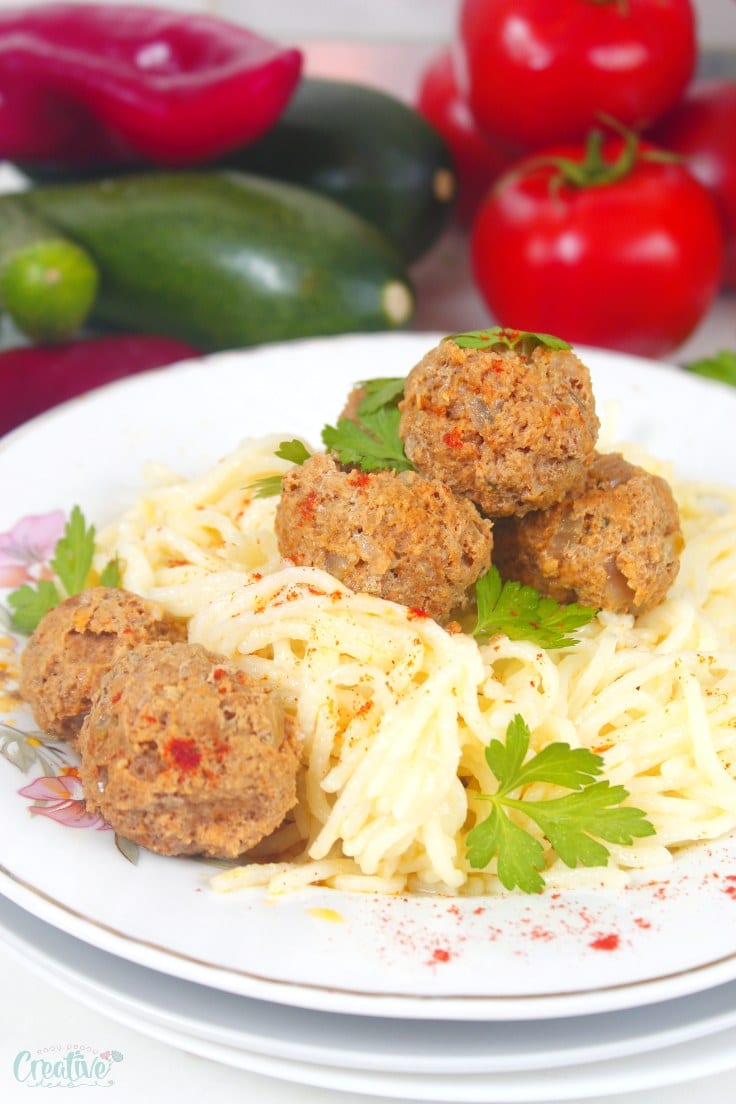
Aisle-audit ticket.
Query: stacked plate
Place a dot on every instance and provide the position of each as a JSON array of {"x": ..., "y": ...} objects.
[
  {"x": 564, "y": 995},
  {"x": 481, "y": 1059}
]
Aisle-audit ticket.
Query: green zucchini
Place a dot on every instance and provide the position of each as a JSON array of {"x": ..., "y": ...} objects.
[
  {"x": 367, "y": 150},
  {"x": 221, "y": 259},
  {"x": 354, "y": 144}
]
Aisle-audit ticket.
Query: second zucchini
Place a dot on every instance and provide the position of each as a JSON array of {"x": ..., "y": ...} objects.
[{"x": 223, "y": 259}]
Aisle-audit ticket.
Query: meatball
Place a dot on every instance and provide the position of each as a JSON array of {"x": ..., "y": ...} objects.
[
  {"x": 615, "y": 546},
  {"x": 75, "y": 645},
  {"x": 396, "y": 535},
  {"x": 353, "y": 401},
  {"x": 511, "y": 431},
  {"x": 185, "y": 754}
]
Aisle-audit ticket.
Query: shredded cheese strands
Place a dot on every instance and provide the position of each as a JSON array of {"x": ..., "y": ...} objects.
[{"x": 394, "y": 713}]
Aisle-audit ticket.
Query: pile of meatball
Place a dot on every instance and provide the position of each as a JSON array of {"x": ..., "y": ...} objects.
[
  {"x": 186, "y": 754},
  {"x": 503, "y": 445},
  {"x": 180, "y": 752}
]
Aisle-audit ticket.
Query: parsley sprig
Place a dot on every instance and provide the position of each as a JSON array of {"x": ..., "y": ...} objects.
[
  {"x": 521, "y": 613},
  {"x": 575, "y": 824},
  {"x": 371, "y": 440},
  {"x": 499, "y": 337},
  {"x": 270, "y": 485},
  {"x": 721, "y": 366},
  {"x": 72, "y": 567}
]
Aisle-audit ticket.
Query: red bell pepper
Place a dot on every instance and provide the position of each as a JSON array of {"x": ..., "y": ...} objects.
[
  {"x": 113, "y": 84},
  {"x": 34, "y": 378}
]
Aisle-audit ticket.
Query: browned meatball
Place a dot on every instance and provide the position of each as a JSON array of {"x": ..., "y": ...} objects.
[
  {"x": 185, "y": 754},
  {"x": 353, "y": 401},
  {"x": 614, "y": 546},
  {"x": 397, "y": 535},
  {"x": 76, "y": 644},
  {"x": 510, "y": 431}
]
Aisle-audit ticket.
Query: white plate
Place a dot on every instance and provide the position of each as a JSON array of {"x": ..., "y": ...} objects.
[
  {"x": 511, "y": 957},
  {"x": 457, "y": 1062}
]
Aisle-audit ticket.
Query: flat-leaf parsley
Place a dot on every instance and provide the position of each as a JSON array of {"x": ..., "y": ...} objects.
[
  {"x": 371, "y": 440},
  {"x": 521, "y": 613},
  {"x": 574, "y": 824},
  {"x": 499, "y": 337},
  {"x": 270, "y": 485},
  {"x": 72, "y": 567}
]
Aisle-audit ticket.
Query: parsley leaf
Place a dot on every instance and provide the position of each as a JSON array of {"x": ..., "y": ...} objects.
[
  {"x": 28, "y": 604},
  {"x": 575, "y": 824},
  {"x": 372, "y": 443},
  {"x": 721, "y": 366},
  {"x": 521, "y": 613},
  {"x": 270, "y": 485},
  {"x": 72, "y": 564},
  {"x": 499, "y": 337},
  {"x": 110, "y": 574},
  {"x": 380, "y": 392},
  {"x": 72, "y": 560},
  {"x": 295, "y": 450}
]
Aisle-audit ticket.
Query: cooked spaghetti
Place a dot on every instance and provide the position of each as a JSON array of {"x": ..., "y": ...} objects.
[{"x": 394, "y": 712}]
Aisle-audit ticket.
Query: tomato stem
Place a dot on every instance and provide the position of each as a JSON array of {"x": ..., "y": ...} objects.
[{"x": 593, "y": 170}]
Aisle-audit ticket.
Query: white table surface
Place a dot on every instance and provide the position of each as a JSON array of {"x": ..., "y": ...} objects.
[{"x": 34, "y": 1014}]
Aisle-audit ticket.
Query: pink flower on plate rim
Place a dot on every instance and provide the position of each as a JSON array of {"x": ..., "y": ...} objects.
[
  {"x": 26, "y": 548},
  {"x": 61, "y": 798}
]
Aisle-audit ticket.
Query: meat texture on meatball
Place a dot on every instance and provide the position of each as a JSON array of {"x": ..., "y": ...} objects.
[
  {"x": 397, "y": 535},
  {"x": 186, "y": 754},
  {"x": 76, "y": 644},
  {"x": 510, "y": 430},
  {"x": 615, "y": 546}
]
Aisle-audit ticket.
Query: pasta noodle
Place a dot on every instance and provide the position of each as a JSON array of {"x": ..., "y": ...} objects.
[{"x": 394, "y": 712}]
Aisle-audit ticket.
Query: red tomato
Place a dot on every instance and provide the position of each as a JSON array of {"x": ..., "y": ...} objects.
[
  {"x": 703, "y": 129},
  {"x": 542, "y": 71},
  {"x": 632, "y": 263},
  {"x": 477, "y": 160}
]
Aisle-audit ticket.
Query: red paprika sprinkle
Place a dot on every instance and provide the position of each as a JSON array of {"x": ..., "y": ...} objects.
[
  {"x": 454, "y": 438},
  {"x": 440, "y": 954},
  {"x": 185, "y": 753},
  {"x": 308, "y": 506},
  {"x": 416, "y": 614},
  {"x": 606, "y": 943}
]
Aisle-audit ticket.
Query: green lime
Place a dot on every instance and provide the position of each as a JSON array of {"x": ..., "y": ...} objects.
[{"x": 48, "y": 288}]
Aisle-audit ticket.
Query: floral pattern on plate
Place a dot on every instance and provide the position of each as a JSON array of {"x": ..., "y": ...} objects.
[{"x": 56, "y": 790}]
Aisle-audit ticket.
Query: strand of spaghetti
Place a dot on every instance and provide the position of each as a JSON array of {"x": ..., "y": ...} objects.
[{"x": 704, "y": 753}]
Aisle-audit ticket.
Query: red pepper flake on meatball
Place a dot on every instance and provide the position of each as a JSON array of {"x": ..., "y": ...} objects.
[
  {"x": 397, "y": 535},
  {"x": 213, "y": 775},
  {"x": 76, "y": 644},
  {"x": 510, "y": 430}
]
